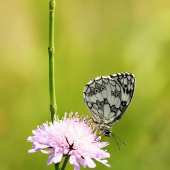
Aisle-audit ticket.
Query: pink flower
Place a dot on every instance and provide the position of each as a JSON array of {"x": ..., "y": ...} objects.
[{"x": 72, "y": 136}]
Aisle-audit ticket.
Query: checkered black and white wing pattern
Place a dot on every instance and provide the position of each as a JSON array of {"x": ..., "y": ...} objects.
[{"x": 107, "y": 97}]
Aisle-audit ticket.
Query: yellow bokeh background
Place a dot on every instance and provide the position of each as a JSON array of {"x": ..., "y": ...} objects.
[{"x": 92, "y": 38}]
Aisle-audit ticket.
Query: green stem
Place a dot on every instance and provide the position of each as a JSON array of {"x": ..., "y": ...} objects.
[
  {"x": 53, "y": 106},
  {"x": 57, "y": 166},
  {"x": 65, "y": 162}
]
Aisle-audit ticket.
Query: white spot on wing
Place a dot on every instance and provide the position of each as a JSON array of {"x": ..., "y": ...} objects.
[
  {"x": 89, "y": 104},
  {"x": 99, "y": 81},
  {"x": 88, "y": 90},
  {"x": 104, "y": 94},
  {"x": 105, "y": 80},
  {"x": 125, "y": 80},
  {"x": 118, "y": 113},
  {"x": 116, "y": 102},
  {"x": 129, "y": 86},
  {"x": 128, "y": 77},
  {"x": 132, "y": 80},
  {"x": 106, "y": 110},
  {"x": 98, "y": 78},
  {"x": 99, "y": 97},
  {"x": 93, "y": 98},
  {"x": 112, "y": 116},
  {"x": 117, "y": 87},
  {"x": 108, "y": 89},
  {"x": 112, "y": 82}
]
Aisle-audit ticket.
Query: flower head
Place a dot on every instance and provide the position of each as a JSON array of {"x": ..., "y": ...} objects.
[{"x": 71, "y": 136}]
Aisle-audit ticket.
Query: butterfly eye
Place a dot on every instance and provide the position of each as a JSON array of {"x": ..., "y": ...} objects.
[
  {"x": 96, "y": 90},
  {"x": 125, "y": 86},
  {"x": 90, "y": 94},
  {"x": 115, "y": 93},
  {"x": 123, "y": 103},
  {"x": 102, "y": 88}
]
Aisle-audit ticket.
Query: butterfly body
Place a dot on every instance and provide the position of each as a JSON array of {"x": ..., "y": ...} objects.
[{"x": 107, "y": 98}]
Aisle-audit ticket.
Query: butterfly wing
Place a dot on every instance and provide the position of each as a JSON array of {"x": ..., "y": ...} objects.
[{"x": 107, "y": 97}]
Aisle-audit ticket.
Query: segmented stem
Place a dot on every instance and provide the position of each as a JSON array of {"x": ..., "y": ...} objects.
[{"x": 53, "y": 106}]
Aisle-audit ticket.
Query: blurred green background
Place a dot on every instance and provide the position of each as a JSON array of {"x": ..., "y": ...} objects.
[{"x": 92, "y": 38}]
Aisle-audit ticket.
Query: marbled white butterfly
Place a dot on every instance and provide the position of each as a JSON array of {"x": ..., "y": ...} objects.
[{"x": 107, "y": 98}]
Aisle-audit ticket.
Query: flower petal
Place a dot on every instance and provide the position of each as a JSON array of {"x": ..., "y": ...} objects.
[
  {"x": 76, "y": 167},
  {"x": 103, "y": 161},
  {"x": 82, "y": 162},
  {"x": 90, "y": 162},
  {"x": 57, "y": 158},
  {"x": 50, "y": 160},
  {"x": 51, "y": 150},
  {"x": 33, "y": 150},
  {"x": 29, "y": 139}
]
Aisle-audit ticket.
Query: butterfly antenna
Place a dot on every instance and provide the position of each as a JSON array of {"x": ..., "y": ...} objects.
[
  {"x": 116, "y": 142},
  {"x": 119, "y": 138}
]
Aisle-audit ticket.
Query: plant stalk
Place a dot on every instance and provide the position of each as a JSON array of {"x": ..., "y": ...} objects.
[
  {"x": 53, "y": 106},
  {"x": 57, "y": 166},
  {"x": 65, "y": 162}
]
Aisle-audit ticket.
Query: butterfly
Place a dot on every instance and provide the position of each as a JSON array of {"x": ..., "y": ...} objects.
[{"x": 107, "y": 98}]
